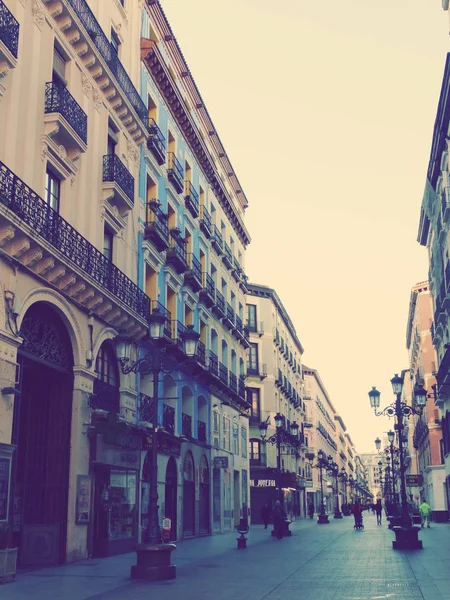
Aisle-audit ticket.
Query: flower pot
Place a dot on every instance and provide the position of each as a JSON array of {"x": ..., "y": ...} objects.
[{"x": 8, "y": 563}]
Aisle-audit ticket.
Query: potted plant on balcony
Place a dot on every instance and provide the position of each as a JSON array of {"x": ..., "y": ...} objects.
[{"x": 8, "y": 554}]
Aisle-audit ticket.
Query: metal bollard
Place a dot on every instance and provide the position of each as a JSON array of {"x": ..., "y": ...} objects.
[{"x": 242, "y": 528}]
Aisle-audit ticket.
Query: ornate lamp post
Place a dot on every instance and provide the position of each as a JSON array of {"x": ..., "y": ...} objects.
[
  {"x": 343, "y": 478},
  {"x": 406, "y": 535},
  {"x": 321, "y": 464},
  {"x": 153, "y": 557},
  {"x": 392, "y": 451},
  {"x": 281, "y": 437},
  {"x": 333, "y": 469}
]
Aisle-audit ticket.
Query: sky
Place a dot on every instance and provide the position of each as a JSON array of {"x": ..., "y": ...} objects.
[{"x": 326, "y": 111}]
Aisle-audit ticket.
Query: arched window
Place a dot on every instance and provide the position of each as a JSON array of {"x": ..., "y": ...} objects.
[{"x": 106, "y": 365}]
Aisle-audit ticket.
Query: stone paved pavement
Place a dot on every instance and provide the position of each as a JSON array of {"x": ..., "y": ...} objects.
[{"x": 317, "y": 563}]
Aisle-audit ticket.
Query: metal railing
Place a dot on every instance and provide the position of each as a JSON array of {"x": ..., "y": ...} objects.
[
  {"x": 223, "y": 373},
  {"x": 209, "y": 285},
  {"x": 213, "y": 363},
  {"x": 175, "y": 171},
  {"x": 169, "y": 418},
  {"x": 186, "y": 425},
  {"x": 115, "y": 171},
  {"x": 201, "y": 353},
  {"x": 109, "y": 55},
  {"x": 201, "y": 431},
  {"x": 58, "y": 99},
  {"x": 205, "y": 220},
  {"x": 228, "y": 254},
  {"x": 156, "y": 141},
  {"x": 233, "y": 383},
  {"x": 155, "y": 305},
  {"x": 178, "y": 248},
  {"x": 157, "y": 220},
  {"x": 48, "y": 224},
  {"x": 220, "y": 301},
  {"x": 230, "y": 313},
  {"x": 9, "y": 30},
  {"x": 195, "y": 266},
  {"x": 177, "y": 333},
  {"x": 191, "y": 198},
  {"x": 147, "y": 409}
]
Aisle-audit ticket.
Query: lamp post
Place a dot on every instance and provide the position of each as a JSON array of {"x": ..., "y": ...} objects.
[
  {"x": 321, "y": 464},
  {"x": 391, "y": 451},
  {"x": 153, "y": 557},
  {"x": 406, "y": 535},
  {"x": 343, "y": 478},
  {"x": 334, "y": 471},
  {"x": 281, "y": 437}
]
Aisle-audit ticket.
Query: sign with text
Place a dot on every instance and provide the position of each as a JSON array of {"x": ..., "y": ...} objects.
[
  {"x": 414, "y": 480},
  {"x": 262, "y": 483},
  {"x": 221, "y": 462}
]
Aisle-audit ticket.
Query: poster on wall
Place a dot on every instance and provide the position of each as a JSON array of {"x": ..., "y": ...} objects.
[{"x": 83, "y": 509}]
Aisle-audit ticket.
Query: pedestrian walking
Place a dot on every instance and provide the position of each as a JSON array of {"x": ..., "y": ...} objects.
[
  {"x": 378, "y": 510},
  {"x": 279, "y": 517},
  {"x": 357, "y": 513},
  {"x": 311, "y": 510},
  {"x": 265, "y": 514},
  {"x": 425, "y": 510}
]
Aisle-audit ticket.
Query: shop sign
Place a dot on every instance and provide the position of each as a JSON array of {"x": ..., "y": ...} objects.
[
  {"x": 83, "y": 508},
  {"x": 414, "y": 480},
  {"x": 111, "y": 454},
  {"x": 166, "y": 444},
  {"x": 221, "y": 462},
  {"x": 262, "y": 483}
]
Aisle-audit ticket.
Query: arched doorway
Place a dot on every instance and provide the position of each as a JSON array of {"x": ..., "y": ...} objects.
[
  {"x": 41, "y": 431},
  {"x": 188, "y": 496},
  {"x": 204, "y": 496},
  {"x": 171, "y": 497}
]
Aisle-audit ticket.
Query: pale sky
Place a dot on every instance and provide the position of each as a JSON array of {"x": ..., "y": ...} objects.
[{"x": 326, "y": 110}]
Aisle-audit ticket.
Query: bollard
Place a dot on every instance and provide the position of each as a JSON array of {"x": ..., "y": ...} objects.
[{"x": 242, "y": 528}]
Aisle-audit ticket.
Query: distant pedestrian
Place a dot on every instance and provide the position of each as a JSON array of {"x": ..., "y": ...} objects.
[
  {"x": 378, "y": 510},
  {"x": 311, "y": 510},
  {"x": 425, "y": 510},
  {"x": 279, "y": 517},
  {"x": 265, "y": 514},
  {"x": 357, "y": 513}
]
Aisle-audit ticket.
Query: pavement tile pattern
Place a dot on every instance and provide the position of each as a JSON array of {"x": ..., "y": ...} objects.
[{"x": 319, "y": 562}]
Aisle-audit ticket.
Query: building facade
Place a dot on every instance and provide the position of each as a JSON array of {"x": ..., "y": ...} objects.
[
  {"x": 117, "y": 199},
  {"x": 274, "y": 385}
]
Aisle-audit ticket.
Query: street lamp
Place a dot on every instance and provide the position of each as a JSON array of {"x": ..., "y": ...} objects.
[
  {"x": 406, "y": 535},
  {"x": 322, "y": 463},
  {"x": 334, "y": 471},
  {"x": 153, "y": 557},
  {"x": 343, "y": 478},
  {"x": 281, "y": 437}
]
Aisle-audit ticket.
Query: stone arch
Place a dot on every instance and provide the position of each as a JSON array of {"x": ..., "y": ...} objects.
[
  {"x": 67, "y": 315},
  {"x": 106, "y": 333}
]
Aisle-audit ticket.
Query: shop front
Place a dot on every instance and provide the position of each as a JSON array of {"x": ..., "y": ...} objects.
[
  {"x": 115, "y": 462},
  {"x": 263, "y": 490}
]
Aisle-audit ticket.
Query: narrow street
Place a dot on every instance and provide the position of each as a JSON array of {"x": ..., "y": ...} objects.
[{"x": 317, "y": 563}]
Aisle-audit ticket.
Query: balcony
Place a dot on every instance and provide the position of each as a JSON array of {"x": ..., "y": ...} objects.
[
  {"x": 205, "y": 222},
  {"x": 223, "y": 374},
  {"x": 241, "y": 388},
  {"x": 147, "y": 411},
  {"x": 118, "y": 184},
  {"x": 213, "y": 363},
  {"x": 157, "y": 306},
  {"x": 106, "y": 397},
  {"x": 186, "y": 425},
  {"x": 9, "y": 39},
  {"x": 219, "y": 306},
  {"x": 243, "y": 283},
  {"x": 191, "y": 200},
  {"x": 41, "y": 240},
  {"x": 65, "y": 120},
  {"x": 239, "y": 328},
  {"x": 201, "y": 354},
  {"x": 156, "y": 142},
  {"x": 193, "y": 276},
  {"x": 201, "y": 431},
  {"x": 229, "y": 316},
  {"x": 177, "y": 330},
  {"x": 217, "y": 240},
  {"x": 169, "y": 418},
  {"x": 175, "y": 172},
  {"x": 208, "y": 290},
  {"x": 227, "y": 257},
  {"x": 237, "y": 270},
  {"x": 156, "y": 227},
  {"x": 176, "y": 254},
  {"x": 233, "y": 383}
]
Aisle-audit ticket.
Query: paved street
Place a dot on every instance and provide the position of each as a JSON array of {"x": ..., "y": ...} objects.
[{"x": 316, "y": 563}]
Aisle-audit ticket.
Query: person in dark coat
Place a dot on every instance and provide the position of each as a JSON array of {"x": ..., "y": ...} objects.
[
  {"x": 378, "y": 510},
  {"x": 311, "y": 510},
  {"x": 265, "y": 514},
  {"x": 279, "y": 517}
]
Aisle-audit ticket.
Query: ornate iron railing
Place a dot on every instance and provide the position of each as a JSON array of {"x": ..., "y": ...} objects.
[
  {"x": 217, "y": 238},
  {"x": 47, "y": 223},
  {"x": 175, "y": 171},
  {"x": 239, "y": 325},
  {"x": 223, "y": 373},
  {"x": 201, "y": 431},
  {"x": 109, "y": 55},
  {"x": 167, "y": 316},
  {"x": 105, "y": 397},
  {"x": 114, "y": 170},
  {"x": 205, "y": 221},
  {"x": 191, "y": 198},
  {"x": 177, "y": 251},
  {"x": 220, "y": 301},
  {"x": 177, "y": 333},
  {"x": 156, "y": 224},
  {"x": 195, "y": 266},
  {"x": 230, "y": 313},
  {"x": 147, "y": 408},
  {"x": 186, "y": 425},
  {"x": 228, "y": 255},
  {"x": 233, "y": 383},
  {"x": 58, "y": 99},
  {"x": 169, "y": 418},
  {"x": 156, "y": 142},
  {"x": 9, "y": 30},
  {"x": 241, "y": 388},
  {"x": 209, "y": 285},
  {"x": 213, "y": 363},
  {"x": 201, "y": 353}
]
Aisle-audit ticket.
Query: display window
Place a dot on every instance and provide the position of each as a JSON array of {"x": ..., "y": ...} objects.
[{"x": 118, "y": 510}]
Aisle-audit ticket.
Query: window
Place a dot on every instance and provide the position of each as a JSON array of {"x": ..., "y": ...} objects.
[
  {"x": 115, "y": 42},
  {"x": 252, "y": 360},
  {"x": 226, "y": 433},
  {"x": 235, "y": 438},
  {"x": 106, "y": 365},
  {"x": 244, "y": 441},
  {"x": 257, "y": 453},
  {"x": 254, "y": 400},
  {"x": 108, "y": 237},
  {"x": 52, "y": 190},
  {"x": 59, "y": 67}
]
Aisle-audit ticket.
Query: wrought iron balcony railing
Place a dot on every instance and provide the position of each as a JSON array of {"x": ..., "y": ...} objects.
[
  {"x": 177, "y": 332},
  {"x": 58, "y": 99},
  {"x": 191, "y": 199},
  {"x": 9, "y": 30},
  {"x": 169, "y": 418},
  {"x": 205, "y": 221},
  {"x": 241, "y": 388},
  {"x": 186, "y": 425},
  {"x": 48, "y": 224},
  {"x": 156, "y": 142},
  {"x": 217, "y": 240},
  {"x": 109, "y": 54},
  {"x": 220, "y": 304},
  {"x": 229, "y": 320},
  {"x": 208, "y": 290},
  {"x": 201, "y": 353},
  {"x": 193, "y": 277},
  {"x": 223, "y": 374},
  {"x": 115, "y": 171},
  {"x": 147, "y": 408},
  {"x": 227, "y": 257},
  {"x": 233, "y": 383},
  {"x": 201, "y": 428},
  {"x": 213, "y": 363},
  {"x": 156, "y": 226},
  {"x": 105, "y": 397},
  {"x": 176, "y": 253},
  {"x": 175, "y": 172}
]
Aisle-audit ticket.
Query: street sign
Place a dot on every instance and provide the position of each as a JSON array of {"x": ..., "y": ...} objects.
[
  {"x": 414, "y": 480},
  {"x": 221, "y": 462}
]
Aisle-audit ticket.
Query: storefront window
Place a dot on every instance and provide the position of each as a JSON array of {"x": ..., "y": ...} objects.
[{"x": 119, "y": 504}]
